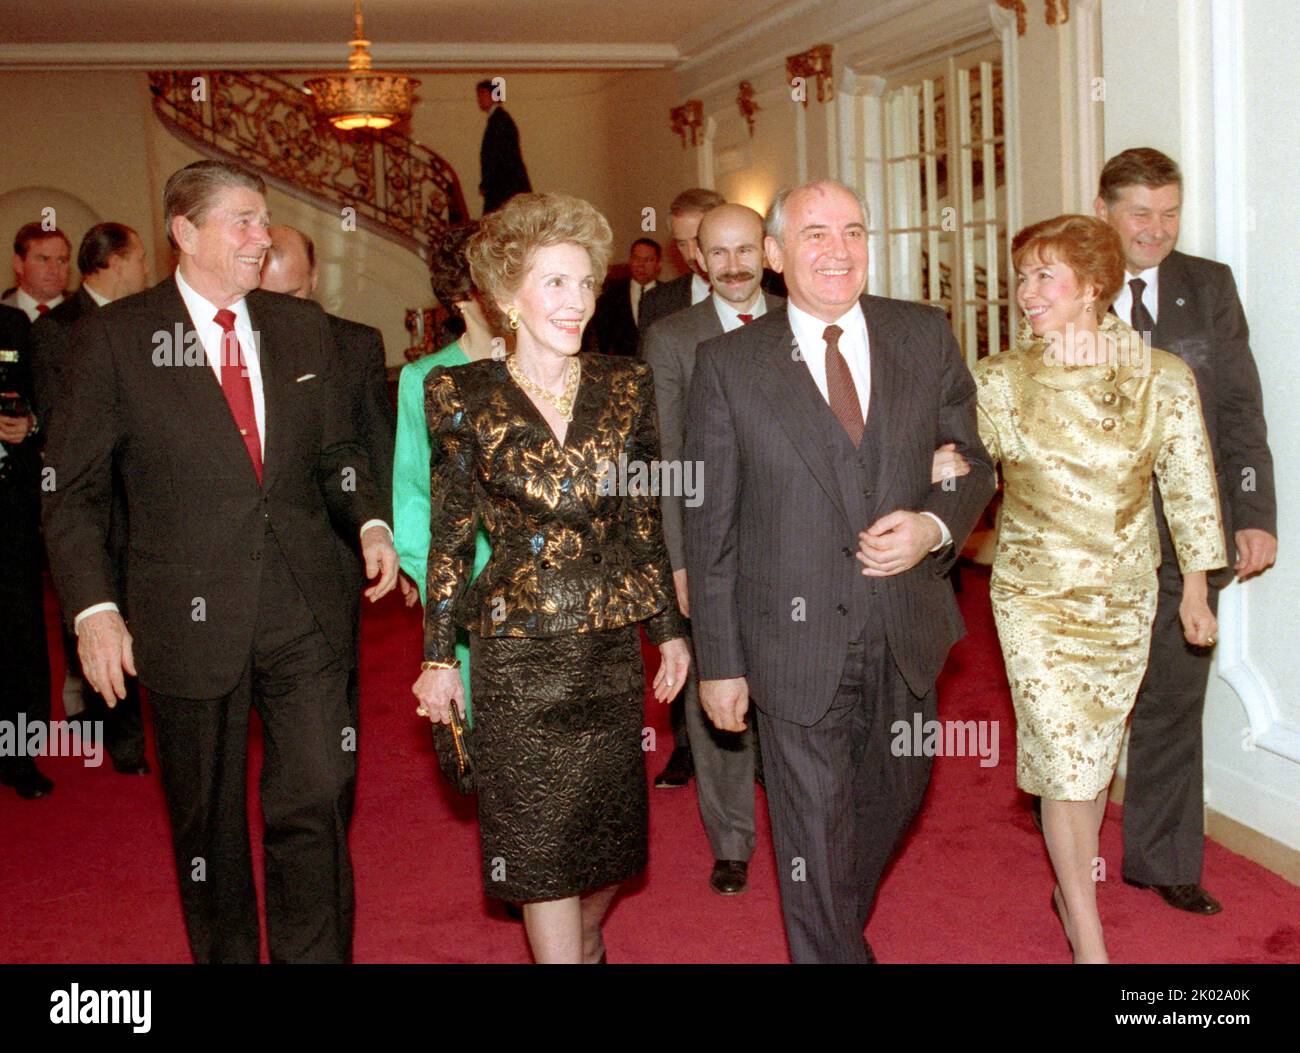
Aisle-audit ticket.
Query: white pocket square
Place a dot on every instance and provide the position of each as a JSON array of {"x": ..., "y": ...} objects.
[{"x": 305, "y": 376}]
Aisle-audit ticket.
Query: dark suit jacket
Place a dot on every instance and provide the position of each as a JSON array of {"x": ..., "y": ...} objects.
[
  {"x": 197, "y": 517},
  {"x": 778, "y": 524},
  {"x": 1200, "y": 319},
  {"x": 670, "y": 297},
  {"x": 613, "y": 331},
  {"x": 664, "y": 299},
  {"x": 669, "y": 349},
  {"x": 501, "y": 163},
  {"x": 20, "y": 469},
  {"x": 50, "y": 349},
  {"x": 361, "y": 356}
]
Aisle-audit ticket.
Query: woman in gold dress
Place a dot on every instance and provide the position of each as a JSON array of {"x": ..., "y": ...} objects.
[
  {"x": 526, "y": 444},
  {"x": 1081, "y": 414}
]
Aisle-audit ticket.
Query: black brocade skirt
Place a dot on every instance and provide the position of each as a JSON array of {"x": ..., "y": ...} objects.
[{"x": 561, "y": 775}]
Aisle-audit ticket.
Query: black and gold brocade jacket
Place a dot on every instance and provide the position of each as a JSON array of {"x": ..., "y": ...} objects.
[{"x": 570, "y": 552}]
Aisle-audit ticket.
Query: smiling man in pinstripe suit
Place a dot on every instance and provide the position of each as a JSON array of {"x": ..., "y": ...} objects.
[{"x": 818, "y": 555}]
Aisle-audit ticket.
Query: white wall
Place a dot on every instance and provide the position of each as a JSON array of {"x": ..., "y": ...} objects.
[{"x": 1217, "y": 103}]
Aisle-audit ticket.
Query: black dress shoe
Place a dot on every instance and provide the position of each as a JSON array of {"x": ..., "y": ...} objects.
[
  {"x": 1191, "y": 898},
  {"x": 730, "y": 877},
  {"x": 26, "y": 779},
  {"x": 678, "y": 771},
  {"x": 137, "y": 767}
]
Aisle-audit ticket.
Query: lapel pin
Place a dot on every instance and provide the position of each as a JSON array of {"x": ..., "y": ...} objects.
[{"x": 1180, "y": 301}]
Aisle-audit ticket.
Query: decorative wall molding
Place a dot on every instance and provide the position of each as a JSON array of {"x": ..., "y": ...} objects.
[
  {"x": 439, "y": 55},
  {"x": 816, "y": 64},
  {"x": 747, "y": 103},
  {"x": 1231, "y": 245},
  {"x": 687, "y": 120}
]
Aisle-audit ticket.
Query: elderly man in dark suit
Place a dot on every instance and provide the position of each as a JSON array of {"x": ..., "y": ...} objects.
[
  {"x": 225, "y": 411},
  {"x": 1187, "y": 306},
  {"x": 817, "y": 558},
  {"x": 613, "y": 329},
  {"x": 502, "y": 174},
  {"x": 113, "y": 264},
  {"x": 730, "y": 250}
]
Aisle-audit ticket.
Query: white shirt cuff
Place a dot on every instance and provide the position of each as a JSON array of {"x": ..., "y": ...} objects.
[
  {"x": 377, "y": 522},
  {"x": 76, "y": 622},
  {"x": 943, "y": 529}
]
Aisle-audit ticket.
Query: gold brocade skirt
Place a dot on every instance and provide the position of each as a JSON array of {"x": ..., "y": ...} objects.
[{"x": 1075, "y": 658}]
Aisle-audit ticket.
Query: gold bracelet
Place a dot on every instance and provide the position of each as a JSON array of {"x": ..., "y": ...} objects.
[{"x": 453, "y": 664}]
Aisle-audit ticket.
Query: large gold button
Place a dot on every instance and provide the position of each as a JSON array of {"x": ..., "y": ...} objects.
[
  {"x": 1110, "y": 374},
  {"x": 1107, "y": 424},
  {"x": 1108, "y": 398}
]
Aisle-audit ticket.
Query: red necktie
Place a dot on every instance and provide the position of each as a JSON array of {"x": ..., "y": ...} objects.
[
  {"x": 745, "y": 319},
  {"x": 42, "y": 308},
  {"x": 237, "y": 388},
  {"x": 841, "y": 392}
]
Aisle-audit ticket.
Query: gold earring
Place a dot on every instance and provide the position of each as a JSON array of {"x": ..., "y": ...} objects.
[
  {"x": 1088, "y": 308},
  {"x": 512, "y": 316}
]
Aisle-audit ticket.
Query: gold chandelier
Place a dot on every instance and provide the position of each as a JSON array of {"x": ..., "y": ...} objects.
[{"x": 362, "y": 97}]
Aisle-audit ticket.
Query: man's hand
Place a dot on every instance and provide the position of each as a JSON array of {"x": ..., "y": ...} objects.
[
  {"x": 104, "y": 647},
  {"x": 679, "y": 585},
  {"x": 726, "y": 702},
  {"x": 948, "y": 463},
  {"x": 381, "y": 561},
  {"x": 1256, "y": 552},
  {"x": 896, "y": 542},
  {"x": 410, "y": 594}
]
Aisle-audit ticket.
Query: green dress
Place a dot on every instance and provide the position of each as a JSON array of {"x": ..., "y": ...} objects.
[{"x": 411, "y": 486}]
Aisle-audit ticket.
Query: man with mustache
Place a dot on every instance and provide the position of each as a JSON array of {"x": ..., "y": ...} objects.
[
  {"x": 729, "y": 250},
  {"x": 1187, "y": 306}
]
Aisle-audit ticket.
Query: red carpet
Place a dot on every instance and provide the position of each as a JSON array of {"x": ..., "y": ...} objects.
[{"x": 87, "y": 873}]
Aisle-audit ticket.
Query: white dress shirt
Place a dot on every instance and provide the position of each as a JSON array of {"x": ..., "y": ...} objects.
[
  {"x": 635, "y": 291},
  {"x": 729, "y": 314},
  {"x": 1150, "y": 295},
  {"x": 700, "y": 288},
  {"x": 855, "y": 346},
  {"x": 100, "y": 301},
  {"x": 27, "y": 304},
  {"x": 203, "y": 313}
]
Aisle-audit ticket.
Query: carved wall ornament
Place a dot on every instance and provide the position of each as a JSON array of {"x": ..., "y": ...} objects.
[
  {"x": 688, "y": 118},
  {"x": 747, "y": 100},
  {"x": 815, "y": 63}
]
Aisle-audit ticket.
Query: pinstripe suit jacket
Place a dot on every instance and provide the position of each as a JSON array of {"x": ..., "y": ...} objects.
[{"x": 770, "y": 548}]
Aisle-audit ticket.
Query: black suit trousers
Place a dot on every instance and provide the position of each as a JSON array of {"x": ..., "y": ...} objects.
[
  {"x": 840, "y": 802},
  {"x": 1164, "y": 795},
  {"x": 300, "y": 689}
]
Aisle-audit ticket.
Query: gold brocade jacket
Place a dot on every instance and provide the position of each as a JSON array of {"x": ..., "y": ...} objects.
[
  {"x": 1078, "y": 445},
  {"x": 577, "y": 540}
]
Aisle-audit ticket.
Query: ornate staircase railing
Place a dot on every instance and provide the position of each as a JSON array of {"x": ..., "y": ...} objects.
[{"x": 399, "y": 189}]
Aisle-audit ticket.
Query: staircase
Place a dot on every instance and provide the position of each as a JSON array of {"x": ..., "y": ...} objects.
[{"x": 400, "y": 190}]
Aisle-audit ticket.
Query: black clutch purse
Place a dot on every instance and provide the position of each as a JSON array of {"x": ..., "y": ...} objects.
[{"x": 451, "y": 742}]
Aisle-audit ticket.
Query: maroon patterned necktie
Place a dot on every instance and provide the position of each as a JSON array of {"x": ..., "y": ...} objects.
[
  {"x": 745, "y": 319},
  {"x": 237, "y": 388},
  {"x": 841, "y": 392}
]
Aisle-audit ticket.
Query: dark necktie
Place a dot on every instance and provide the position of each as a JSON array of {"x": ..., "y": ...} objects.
[
  {"x": 841, "y": 392},
  {"x": 1140, "y": 318},
  {"x": 237, "y": 388},
  {"x": 745, "y": 319},
  {"x": 42, "y": 308}
]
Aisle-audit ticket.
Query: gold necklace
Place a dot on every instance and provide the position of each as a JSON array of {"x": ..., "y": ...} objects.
[{"x": 563, "y": 403}]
